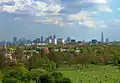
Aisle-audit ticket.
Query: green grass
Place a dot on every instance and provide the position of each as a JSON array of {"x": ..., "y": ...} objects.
[{"x": 92, "y": 74}]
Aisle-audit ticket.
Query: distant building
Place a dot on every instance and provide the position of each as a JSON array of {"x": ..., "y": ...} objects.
[
  {"x": 102, "y": 38},
  {"x": 24, "y": 41},
  {"x": 107, "y": 40},
  {"x": 50, "y": 40},
  {"x": 29, "y": 42},
  {"x": 94, "y": 42},
  {"x": 73, "y": 40},
  {"x": 68, "y": 40},
  {"x": 42, "y": 39},
  {"x": 37, "y": 40},
  {"x": 54, "y": 36},
  {"x": 59, "y": 40},
  {"x": 14, "y": 40},
  {"x": 50, "y": 37},
  {"x": 54, "y": 41},
  {"x": 80, "y": 42}
]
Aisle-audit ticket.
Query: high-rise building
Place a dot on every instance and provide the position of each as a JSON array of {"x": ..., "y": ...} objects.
[
  {"x": 102, "y": 37},
  {"x": 14, "y": 40},
  {"x": 54, "y": 36},
  {"x": 68, "y": 40},
  {"x": 59, "y": 40},
  {"x": 42, "y": 39},
  {"x": 24, "y": 41},
  {"x": 107, "y": 40},
  {"x": 50, "y": 37},
  {"x": 37, "y": 40}
]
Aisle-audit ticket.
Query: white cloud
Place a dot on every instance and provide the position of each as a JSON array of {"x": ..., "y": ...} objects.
[
  {"x": 104, "y": 8},
  {"x": 95, "y": 1},
  {"x": 74, "y": 12},
  {"x": 113, "y": 23},
  {"x": 81, "y": 16},
  {"x": 38, "y": 7},
  {"x": 84, "y": 17}
]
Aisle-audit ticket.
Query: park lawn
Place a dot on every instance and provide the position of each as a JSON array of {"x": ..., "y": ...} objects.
[{"x": 93, "y": 74}]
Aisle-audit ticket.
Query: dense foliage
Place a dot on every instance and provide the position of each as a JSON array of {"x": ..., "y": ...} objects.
[{"x": 28, "y": 64}]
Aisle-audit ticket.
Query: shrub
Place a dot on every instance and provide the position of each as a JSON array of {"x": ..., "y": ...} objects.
[
  {"x": 46, "y": 78},
  {"x": 63, "y": 80},
  {"x": 10, "y": 80},
  {"x": 57, "y": 75}
]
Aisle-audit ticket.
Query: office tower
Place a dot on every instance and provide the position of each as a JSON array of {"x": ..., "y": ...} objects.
[
  {"x": 24, "y": 40},
  {"x": 20, "y": 41},
  {"x": 68, "y": 40},
  {"x": 42, "y": 39},
  {"x": 54, "y": 41},
  {"x": 49, "y": 40},
  {"x": 50, "y": 37},
  {"x": 59, "y": 40},
  {"x": 54, "y": 36},
  {"x": 37, "y": 40},
  {"x": 73, "y": 40},
  {"x": 102, "y": 38},
  {"x": 14, "y": 40},
  {"x": 107, "y": 40}
]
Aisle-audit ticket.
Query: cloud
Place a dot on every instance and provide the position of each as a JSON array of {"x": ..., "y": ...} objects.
[
  {"x": 113, "y": 23},
  {"x": 59, "y": 12},
  {"x": 104, "y": 8},
  {"x": 95, "y": 1},
  {"x": 83, "y": 17},
  {"x": 36, "y": 7}
]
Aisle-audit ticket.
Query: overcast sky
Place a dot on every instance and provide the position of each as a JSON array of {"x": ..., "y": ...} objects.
[{"x": 79, "y": 19}]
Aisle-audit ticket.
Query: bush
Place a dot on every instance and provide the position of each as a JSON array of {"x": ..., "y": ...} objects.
[
  {"x": 33, "y": 75},
  {"x": 57, "y": 75},
  {"x": 46, "y": 78},
  {"x": 10, "y": 80},
  {"x": 63, "y": 80},
  {"x": 1, "y": 76}
]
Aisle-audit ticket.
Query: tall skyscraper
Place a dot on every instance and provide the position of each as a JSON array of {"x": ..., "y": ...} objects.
[
  {"x": 42, "y": 39},
  {"x": 14, "y": 40},
  {"x": 54, "y": 36},
  {"x": 102, "y": 37},
  {"x": 68, "y": 39}
]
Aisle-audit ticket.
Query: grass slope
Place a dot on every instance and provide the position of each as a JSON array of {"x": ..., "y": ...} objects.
[{"x": 92, "y": 74}]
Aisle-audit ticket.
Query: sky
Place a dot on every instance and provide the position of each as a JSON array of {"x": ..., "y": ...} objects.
[{"x": 79, "y": 19}]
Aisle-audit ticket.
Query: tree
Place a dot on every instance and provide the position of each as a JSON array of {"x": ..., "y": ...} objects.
[
  {"x": 15, "y": 74},
  {"x": 19, "y": 54},
  {"x": 2, "y": 59},
  {"x": 35, "y": 62},
  {"x": 82, "y": 59}
]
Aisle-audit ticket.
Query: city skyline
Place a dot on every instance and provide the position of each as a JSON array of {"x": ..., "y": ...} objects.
[
  {"x": 80, "y": 19},
  {"x": 42, "y": 37}
]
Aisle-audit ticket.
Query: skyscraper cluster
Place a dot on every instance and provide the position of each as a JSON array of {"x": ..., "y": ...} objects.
[{"x": 51, "y": 39}]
